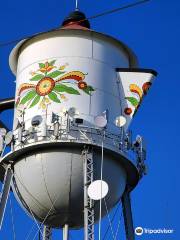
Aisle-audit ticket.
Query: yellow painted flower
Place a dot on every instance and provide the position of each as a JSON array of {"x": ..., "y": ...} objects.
[
  {"x": 42, "y": 104},
  {"x": 32, "y": 73},
  {"x": 63, "y": 66},
  {"x": 46, "y": 67},
  {"x": 46, "y": 100},
  {"x": 135, "y": 89},
  {"x": 63, "y": 96}
]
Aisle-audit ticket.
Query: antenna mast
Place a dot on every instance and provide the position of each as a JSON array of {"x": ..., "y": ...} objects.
[{"x": 77, "y": 5}]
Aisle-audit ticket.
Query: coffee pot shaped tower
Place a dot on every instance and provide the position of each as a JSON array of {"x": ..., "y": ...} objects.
[{"x": 77, "y": 92}]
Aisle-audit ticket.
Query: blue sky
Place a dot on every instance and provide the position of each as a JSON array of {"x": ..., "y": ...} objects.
[{"x": 153, "y": 32}]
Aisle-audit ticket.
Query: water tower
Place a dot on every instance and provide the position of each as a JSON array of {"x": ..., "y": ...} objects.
[{"x": 77, "y": 91}]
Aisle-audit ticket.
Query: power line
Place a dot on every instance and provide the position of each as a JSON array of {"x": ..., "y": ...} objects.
[
  {"x": 89, "y": 18},
  {"x": 119, "y": 9}
]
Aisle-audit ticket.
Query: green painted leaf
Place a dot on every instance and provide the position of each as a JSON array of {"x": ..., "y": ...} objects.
[
  {"x": 64, "y": 88},
  {"x": 41, "y": 65},
  {"x": 29, "y": 96},
  {"x": 54, "y": 97},
  {"x": 51, "y": 63},
  {"x": 88, "y": 90},
  {"x": 133, "y": 101},
  {"x": 35, "y": 101},
  {"x": 55, "y": 74},
  {"x": 37, "y": 77}
]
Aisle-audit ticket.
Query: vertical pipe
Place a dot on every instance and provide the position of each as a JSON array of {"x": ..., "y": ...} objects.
[
  {"x": 66, "y": 232},
  {"x": 101, "y": 177},
  {"x": 76, "y": 4},
  {"x": 127, "y": 213},
  {"x": 5, "y": 193},
  {"x": 85, "y": 198}
]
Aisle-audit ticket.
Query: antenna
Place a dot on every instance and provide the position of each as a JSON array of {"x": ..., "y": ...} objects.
[{"x": 77, "y": 5}]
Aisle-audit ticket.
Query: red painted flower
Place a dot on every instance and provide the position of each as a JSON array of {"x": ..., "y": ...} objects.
[
  {"x": 45, "y": 86},
  {"x": 82, "y": 85},
  {"x": 146, "y": 87},
  {"x": 127, "y": 111}
]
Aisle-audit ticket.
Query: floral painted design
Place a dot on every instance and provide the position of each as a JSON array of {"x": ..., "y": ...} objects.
[
  {"x": 50, "y": 83},
  {"x": 135, "y": 101}
]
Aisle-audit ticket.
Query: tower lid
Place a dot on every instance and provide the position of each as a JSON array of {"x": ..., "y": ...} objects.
[{"x": 76, "y": 18}]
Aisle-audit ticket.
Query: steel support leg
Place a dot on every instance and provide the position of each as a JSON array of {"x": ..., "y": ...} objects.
[
  {"x": 88, "y": 203},
  {"x": 66, "y": 232},
  {"x": 127, "y": 213},
  {"x": 5, "y": 193},
  {"x": 47, "y": 233}
]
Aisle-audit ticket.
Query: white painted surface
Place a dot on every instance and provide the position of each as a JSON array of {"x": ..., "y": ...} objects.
[{"x": 132, "y": 85}]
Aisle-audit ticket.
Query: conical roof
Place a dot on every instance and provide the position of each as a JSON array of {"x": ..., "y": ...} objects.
[{"x": 77, "y": 18}]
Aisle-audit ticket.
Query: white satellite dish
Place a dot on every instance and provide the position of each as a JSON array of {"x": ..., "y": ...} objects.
[
  {"x": 72, "y": 112},
  {"x": 98, "y": 190},
  {"x": 120, "y": 121},
  {"x": 1, "y": 143},
  {"x": 3, "y": 131},
  {"x": 100, "y": 121},
  {"x": 36, "y": 120},
  {"x": 8, "y": 138}
]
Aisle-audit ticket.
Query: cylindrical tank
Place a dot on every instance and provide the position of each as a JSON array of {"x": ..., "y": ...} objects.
[
  {"x": 70, "y": 68},
  {"x": 67, "y": 74}
]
